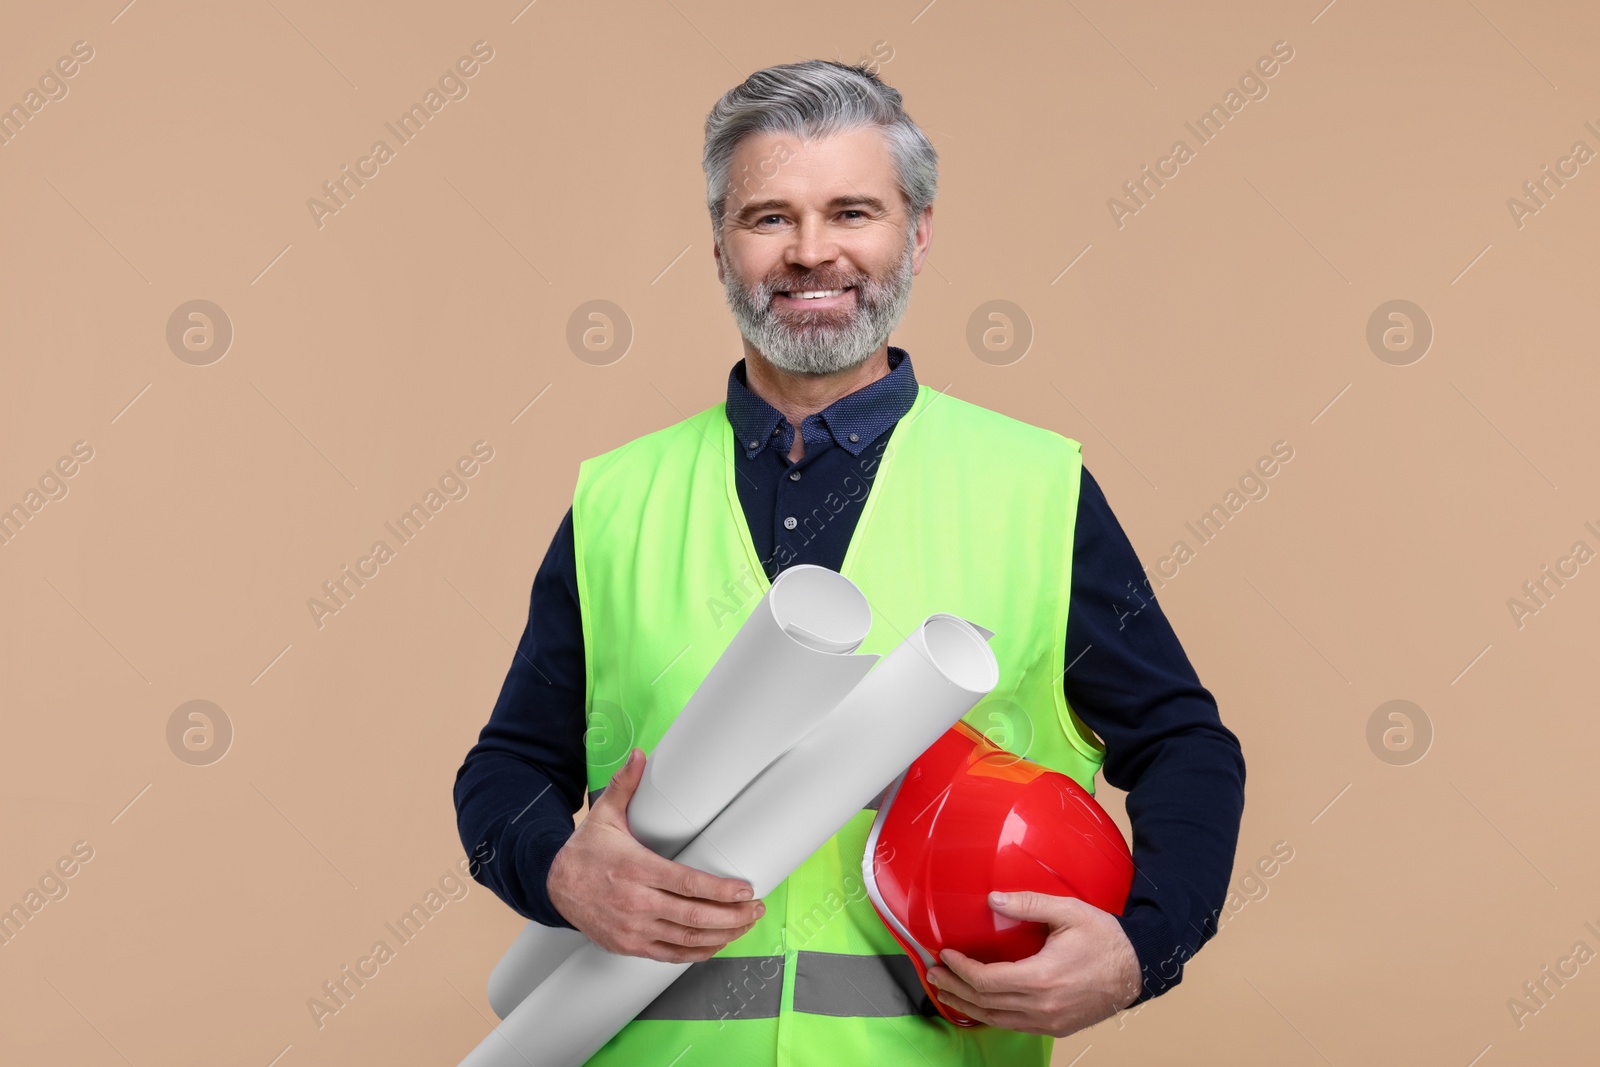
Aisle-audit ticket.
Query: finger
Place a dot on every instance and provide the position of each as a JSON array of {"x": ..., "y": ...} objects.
[
  {"x": 1005, "y": 1020},
  {"x": 613, "y": 799},
  {"x": 700, "y": 914},
  {"x": 688, "y": 881},
  {"x": 697, "y": 937},
  {"x": 1041, "y": 907},
  {"x": 666, "y": 952},
  {"x": 956, "y": 1003},
  {"x": 947, "y": 981},
  {"x": 1004, "y": 976}
]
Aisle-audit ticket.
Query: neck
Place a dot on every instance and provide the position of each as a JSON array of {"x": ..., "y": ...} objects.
[{"x": 799, "y": 395}]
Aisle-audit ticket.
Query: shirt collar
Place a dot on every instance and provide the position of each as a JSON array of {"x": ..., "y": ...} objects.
[{"x": 852, "y": 422}]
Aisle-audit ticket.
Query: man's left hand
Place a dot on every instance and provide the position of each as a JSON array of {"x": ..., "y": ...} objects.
[{"x": 1086, "y": 971}]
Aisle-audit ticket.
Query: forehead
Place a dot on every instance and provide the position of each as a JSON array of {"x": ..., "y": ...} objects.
[{"x": 779, "y": 164}]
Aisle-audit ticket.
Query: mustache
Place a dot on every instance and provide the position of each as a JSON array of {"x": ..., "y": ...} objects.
[{"x": 810, "y": 284}]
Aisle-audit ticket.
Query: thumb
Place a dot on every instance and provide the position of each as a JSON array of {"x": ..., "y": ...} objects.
[
  {"x": 1039, "y": 907},
  {"x": 623, "y": 782}
]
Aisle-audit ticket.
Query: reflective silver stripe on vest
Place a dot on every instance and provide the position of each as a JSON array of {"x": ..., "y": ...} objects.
[
  {"x": 837, "y": 983},
  {"x": 872, "y": 805},
  {"x": 825, "y": 983},
  {"x": 723, "y": 987}
]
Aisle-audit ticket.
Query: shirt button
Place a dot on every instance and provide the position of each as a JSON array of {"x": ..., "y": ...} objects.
[
  {"x": 775, "y": 431},
  {"x": 751, "y": 444},
  {"x": 794, "y": 476},
  {"x": 790, "y": 523},
  {"x": 855, "y": 437}
]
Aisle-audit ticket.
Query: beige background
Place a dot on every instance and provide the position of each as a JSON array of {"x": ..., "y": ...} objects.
[{"x": 368, "y": 354}]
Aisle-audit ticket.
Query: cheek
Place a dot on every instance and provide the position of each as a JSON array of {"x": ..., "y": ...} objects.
[
  {"x": 884, "y": 265},
  {"x": 749, "y": 267}
]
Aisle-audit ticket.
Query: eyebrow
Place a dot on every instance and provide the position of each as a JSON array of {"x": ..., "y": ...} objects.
[{"x": 757, "y": 208}]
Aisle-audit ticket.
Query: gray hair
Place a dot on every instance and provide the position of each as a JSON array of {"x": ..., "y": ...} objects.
[{"x": 811, "y": 99}]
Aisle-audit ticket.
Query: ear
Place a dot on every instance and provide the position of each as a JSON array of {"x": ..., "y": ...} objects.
[{"x": 924, "y": 224}]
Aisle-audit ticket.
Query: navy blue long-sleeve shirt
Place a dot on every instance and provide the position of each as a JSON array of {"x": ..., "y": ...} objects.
[{"x": 1127, "y": 678}]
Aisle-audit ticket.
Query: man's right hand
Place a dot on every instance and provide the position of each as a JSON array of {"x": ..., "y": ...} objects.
[{"x": 630, "y": 901}]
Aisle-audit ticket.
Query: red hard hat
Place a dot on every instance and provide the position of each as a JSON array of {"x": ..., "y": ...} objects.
[{"x": 967, "y": 818}]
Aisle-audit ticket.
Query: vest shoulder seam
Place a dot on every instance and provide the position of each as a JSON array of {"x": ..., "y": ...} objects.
[
  {"x": 599, "y": 464},
  {"x": 1008, "y": 422}
]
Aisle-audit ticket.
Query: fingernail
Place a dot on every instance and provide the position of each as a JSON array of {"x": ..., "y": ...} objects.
[
  {"x": 743, "y": 894},
  {"x": 761, "y": 909},
  {"x": 997, "y": 898}
]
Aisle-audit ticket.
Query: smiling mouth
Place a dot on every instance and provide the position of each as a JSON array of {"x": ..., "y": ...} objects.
[
  {"x": 810, "y": 293},
  {"x": 819, "y": 298}
]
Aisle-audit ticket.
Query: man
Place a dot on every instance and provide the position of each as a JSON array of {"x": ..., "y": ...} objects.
[{"x": 821, "y": 189}]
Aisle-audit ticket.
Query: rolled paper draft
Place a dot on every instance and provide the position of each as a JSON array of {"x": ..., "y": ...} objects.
[
  {"x": 787, "y": 667},
  {"x": 538, "y": 950},
  {"x": 787, "y": 812},
  {"x": 920, "y": 690},
  {"x": 789, "y": 664}
]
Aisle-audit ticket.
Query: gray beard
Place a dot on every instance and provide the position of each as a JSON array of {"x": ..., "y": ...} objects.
[{"x": 819, "y": 342}]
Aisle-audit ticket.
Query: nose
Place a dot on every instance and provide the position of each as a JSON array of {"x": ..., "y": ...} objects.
[{"x": 812, "y": 245}]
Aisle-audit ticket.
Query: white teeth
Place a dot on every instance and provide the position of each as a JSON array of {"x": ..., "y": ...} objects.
[{"x": 816, "y": 294}]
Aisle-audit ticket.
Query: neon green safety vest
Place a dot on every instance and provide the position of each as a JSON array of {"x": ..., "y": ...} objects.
[{"x": 971, "y": 512}]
